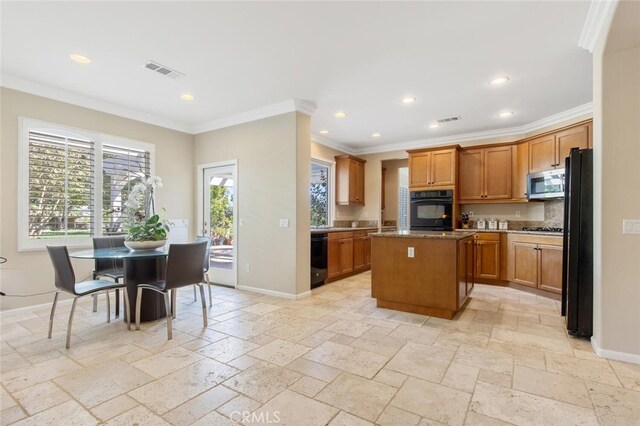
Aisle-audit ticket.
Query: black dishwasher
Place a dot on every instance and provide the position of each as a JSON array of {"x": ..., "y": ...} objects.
[{"x": 318, "y": 259}]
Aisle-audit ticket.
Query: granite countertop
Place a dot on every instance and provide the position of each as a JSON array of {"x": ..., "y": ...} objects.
[
  {"x": 440, "y": 235},
  {"x": 337, "y": 229},
  {"x": 513, "y": 231}
]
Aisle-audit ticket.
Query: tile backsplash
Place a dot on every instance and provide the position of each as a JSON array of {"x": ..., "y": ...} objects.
[
  {"x": 548, "y": 213},
  {"x": 361, "y": 223}
]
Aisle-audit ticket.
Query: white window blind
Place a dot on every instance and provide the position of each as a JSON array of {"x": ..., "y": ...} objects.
[
  {"x": 122, "y": 168},
  {"x": 73, "y": 183},
  {"x": 60, "y": 186}
]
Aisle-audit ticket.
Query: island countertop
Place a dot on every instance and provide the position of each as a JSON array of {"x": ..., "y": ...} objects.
[{"x": 438, "y": 235}]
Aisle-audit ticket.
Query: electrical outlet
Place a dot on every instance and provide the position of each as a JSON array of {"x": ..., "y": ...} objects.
[
  {"x": 470, "y": 213},
  {"x": 247, "y": 268},
  {"x": 411, "y": 252},
  {"x": 284, "y": 223},
  {"x": 517, "y": 213},
  {"x": 241, "y": 222},
  {"x": 366, "y": 215}
]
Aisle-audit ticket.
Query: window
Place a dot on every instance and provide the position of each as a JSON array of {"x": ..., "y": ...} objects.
[
  {"x": 320, "y": 193},
  {"x": 63, "y": 198}
]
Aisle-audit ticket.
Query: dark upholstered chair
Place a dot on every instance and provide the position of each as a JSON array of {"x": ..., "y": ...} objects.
[
  {"x": 111, "y": 268},
  {"x": 184, "y": 268},
  {"x": 65, "y": 280},
  {"x": 205, "y": 267}
]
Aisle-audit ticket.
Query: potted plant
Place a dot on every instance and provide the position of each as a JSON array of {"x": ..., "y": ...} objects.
[{"x": 145, "y": 229}]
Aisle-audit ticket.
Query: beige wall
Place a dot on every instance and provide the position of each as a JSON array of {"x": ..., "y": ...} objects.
[
  {"x": 31, "y": 272},
  {"x": 617, "y": 179},
  {"x": 390, "y": 211},
  {"x": 272, "y": 154}
]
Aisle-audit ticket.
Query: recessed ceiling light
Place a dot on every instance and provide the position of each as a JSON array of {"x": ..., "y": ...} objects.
[
  {"x": 80, "y": 58},
  {"x": 187, "y": 97},
  {"x": 340, "y": 114},
  {"x": 434, "y": 125},
  {"x": 505, "y": 114},
  {"x": 324, "y": 132},
  {"x": 499, "y": 80},
  {"x": 376, "y": 135},
  {"x": 408, "y": 100}
]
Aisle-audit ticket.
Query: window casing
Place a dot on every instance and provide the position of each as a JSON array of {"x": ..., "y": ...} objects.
[
  {"x": 321, "y": 192},
  {"x": 72, "y": 183}
]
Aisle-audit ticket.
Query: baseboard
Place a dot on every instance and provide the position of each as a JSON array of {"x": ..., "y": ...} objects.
[
  {"x": 615, "y": 355},
  {"x": 275, "y": 293},
  {"x": 30, "y": 307}
]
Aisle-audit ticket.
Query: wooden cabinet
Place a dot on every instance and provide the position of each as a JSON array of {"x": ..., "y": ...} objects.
[
  {"x": 549, "y": 151},
  {"x": 339, "y": 254},
  {"x": 485, "y": 174},
  {"x": 550, "y": 268},
  {"x": 536, "y": 261},
  {"x": 520, "y": 170},
  {"x": 487, "y": 255},
  {"x": 348, "y": 253},
  {"x": 349, "y": 180},
  {"x": 359, "y": 255},
  {"x": 432, "y": 168}
]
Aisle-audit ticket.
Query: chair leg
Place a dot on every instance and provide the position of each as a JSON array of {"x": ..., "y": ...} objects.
[
  {"x": 138, "y": 302},
  {"x": 173, "y": 302},
  {"x": 206, "y": 278},
  {"x": 53, "y": 312},
  {"x": 106, "y": 294},
  {"x": 73, "y": 310},
  {"x": 95, "y": 302},
  {"x": 204, "y": 305},
  {"x": 169, "y": 316},
  {"x": 194, "y": 294},
  {"x": 117, "y": 302},
  {"x": 126, "y": 308}
]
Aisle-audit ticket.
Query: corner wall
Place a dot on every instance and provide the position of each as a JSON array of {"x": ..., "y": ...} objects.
[
  {"x": 31, "y": 272},
  {"x": 616, "y": 182},
  {"x": 272, "y": 154}
]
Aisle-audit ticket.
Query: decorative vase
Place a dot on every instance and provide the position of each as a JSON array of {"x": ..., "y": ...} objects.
[{"x": 145, "y": 245}]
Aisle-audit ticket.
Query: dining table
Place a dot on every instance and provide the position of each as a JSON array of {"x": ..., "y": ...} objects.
[{"x": 140, "y": 267}]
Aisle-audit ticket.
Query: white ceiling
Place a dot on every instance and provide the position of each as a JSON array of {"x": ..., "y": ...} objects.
[{"x": 359, "y": 57}]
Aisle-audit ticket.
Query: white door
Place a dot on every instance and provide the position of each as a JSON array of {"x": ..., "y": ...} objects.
[{"x": 218, "y": 221}]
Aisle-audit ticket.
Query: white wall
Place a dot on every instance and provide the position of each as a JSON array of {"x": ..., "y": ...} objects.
[
  {"x": 273, "y": 166},
  {"x": 31, "y": 272}
]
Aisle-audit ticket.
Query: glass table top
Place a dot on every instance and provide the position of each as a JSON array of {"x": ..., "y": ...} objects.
[{"x": 118, "y": 253}]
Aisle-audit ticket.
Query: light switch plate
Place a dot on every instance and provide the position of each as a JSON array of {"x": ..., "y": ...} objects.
[
  {"x": 411, "y": 252},
  {"x": 631, "y": 226},
  {"x": 284, "y": 223}
]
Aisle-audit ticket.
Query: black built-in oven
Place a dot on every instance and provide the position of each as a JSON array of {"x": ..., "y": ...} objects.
[{"x": 432, "y": 210}]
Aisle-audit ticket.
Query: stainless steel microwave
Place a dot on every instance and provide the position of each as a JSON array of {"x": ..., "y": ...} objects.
[{"x": 549, "y": 184}]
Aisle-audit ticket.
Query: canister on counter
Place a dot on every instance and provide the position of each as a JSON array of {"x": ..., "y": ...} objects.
[
  {"x": 493, "y": 224},
  {"x": 503, "y": 225},
  {"x": 480, "y": 224}
]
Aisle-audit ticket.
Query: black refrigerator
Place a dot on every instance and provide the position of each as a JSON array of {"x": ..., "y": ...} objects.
[{"x": 577, "y": 258}]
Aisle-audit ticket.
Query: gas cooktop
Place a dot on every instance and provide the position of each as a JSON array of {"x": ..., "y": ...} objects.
[{"x": 541, "y": 229}]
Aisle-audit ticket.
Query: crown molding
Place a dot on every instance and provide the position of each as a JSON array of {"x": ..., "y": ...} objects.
[
  {"x": 594, "y": 27},
  {"x": 292, "y": 105},
  {"x": 517, "y": 132},
  {"x": 37, "y": 89},
  {"x": 331, "y": 144}
]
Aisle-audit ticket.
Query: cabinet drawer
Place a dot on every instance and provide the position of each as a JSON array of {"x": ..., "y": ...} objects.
[
  {"x": 339, "y": 235},
  {"x": 487, "y": 236},
  {"x": 357, "y": 234}
]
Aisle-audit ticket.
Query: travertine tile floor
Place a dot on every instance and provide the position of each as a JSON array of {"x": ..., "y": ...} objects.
[{"x": 333, "y": 358}]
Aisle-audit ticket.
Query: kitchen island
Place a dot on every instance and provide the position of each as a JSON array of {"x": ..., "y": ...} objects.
[{"x": 428, "y": 273}]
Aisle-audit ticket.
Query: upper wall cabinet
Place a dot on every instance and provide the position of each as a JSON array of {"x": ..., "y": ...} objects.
[
  {"x": 548, "y": 152},
  {"x": 485, "y": 174},
  {"x": 432, "y": 168},
  {"x": 349, "y": 180}
]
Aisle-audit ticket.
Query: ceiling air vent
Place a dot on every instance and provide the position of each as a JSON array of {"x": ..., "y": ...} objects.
[
  {"x": 161, "y": 69},
  {"x": 447, "y": 120}
]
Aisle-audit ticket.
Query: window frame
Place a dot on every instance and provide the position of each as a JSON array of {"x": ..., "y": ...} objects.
[
  {"x": 25, "y": 125},
  {"x": 331, "y": 200}
]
